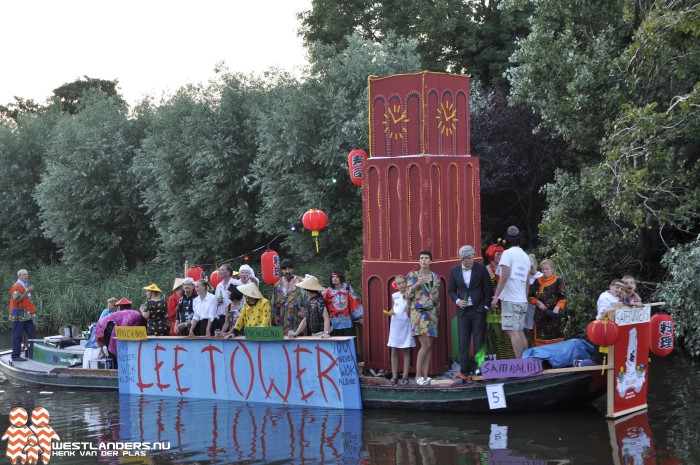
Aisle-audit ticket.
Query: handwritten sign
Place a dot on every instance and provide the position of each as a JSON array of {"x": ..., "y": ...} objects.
[
  {"x": 496, "y": 396},
  {"x": 310, "y": 372},
  {"x": 511, "y": 368},
  {"x": 632, "y": 315},
  {"x": 131, "y": 333},
  {"x": 264, "y": 333}
]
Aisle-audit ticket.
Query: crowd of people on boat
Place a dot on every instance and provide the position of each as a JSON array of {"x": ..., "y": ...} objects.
[
  {"x": 503, "y": 307},
  {"x": 494, "y": 302},
  {"x": 302, "y": 306}
]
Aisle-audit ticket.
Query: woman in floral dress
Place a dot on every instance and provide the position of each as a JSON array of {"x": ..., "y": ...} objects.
[{"x": 424, "y": 301}]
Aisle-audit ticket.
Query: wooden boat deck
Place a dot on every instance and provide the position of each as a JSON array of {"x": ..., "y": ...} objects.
[{"x": 552, "y": 390}]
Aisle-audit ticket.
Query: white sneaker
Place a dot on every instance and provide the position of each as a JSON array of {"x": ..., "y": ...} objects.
[
  {"x": 428, "y": 380},
  {"x": 420, "y": 381}
]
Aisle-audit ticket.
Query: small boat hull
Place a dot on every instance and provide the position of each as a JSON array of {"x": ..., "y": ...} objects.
[
  {"x": 34, "y": 373},
  {"x": 532, "y": 394}
]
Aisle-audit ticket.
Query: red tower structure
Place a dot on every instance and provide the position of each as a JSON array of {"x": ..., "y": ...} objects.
[{"x": 420, "y": 191}]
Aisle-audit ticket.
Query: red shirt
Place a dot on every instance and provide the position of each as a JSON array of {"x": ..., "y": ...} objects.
[{"x": 172, "y": 307}]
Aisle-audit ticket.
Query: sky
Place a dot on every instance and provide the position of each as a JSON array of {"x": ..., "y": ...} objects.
[{"x": 150, "y": 46}]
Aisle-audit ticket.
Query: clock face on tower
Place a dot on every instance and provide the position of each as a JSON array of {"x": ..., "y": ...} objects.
[
  {"x": 393, "y": 122},
  {"x": 446, "y": 116}
]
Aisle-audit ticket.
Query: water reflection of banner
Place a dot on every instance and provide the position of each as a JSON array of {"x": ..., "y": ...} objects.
[
  {"x": 631, "y": 440},
  {"x": 312, "y": 372},
  {"x": 227, "y": 432}
]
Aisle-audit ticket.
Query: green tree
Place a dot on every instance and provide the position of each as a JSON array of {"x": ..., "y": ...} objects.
[
  {"x": 88, "y": 200},
  {"x": 69, "y": 96},
  {"x": 22, "y": 154},
  {"x": 306, "y": 129},
  {"x": 10, "y": 113},
  {"x": 474, "y": 37},
  {"x": 618, "y": 80},
  {"x": 565, "y": 69},
  {"x": 586, "y": 247},
  {"x": 194, "y": 171},
  {"x": 681, "y": 292}
]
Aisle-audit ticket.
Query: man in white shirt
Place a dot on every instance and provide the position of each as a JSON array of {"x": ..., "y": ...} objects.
[
  {"x": 221, "y": 292},
  {"x": 610, "y": 299},
  {"x": 512, "y": 290}
]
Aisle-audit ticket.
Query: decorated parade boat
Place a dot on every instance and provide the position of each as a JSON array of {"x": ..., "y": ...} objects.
[{"x": 420, "y": 190}]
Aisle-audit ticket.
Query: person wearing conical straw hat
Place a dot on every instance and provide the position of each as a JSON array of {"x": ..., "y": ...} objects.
[
  {"x": 155, "y": 311},
  {"x": 256, "y": 310},
  {"x": 124, "y": 304},
  {"x": 317, "y": 321}
]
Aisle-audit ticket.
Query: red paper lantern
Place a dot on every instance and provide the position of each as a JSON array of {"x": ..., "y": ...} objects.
[
  {"x": 661, "y": 334},
  {"x": 314, "y": 220},
  {"x": 195, "y": 273},
  {"x": 355, "y": 160},
  {"x": 602, "y": 333},
  {"x": 214, "y": 278},
  {"x": 270, "y": 264}
]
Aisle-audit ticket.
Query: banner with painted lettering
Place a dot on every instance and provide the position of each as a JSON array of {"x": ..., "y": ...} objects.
[
  {"x": 217, "y": 431},
  {"x": 631, "y": 367},
  {"x": 308, "y": 372}
]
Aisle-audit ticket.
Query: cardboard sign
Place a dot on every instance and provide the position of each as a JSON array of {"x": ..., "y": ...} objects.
[
  {"x": 264, "y": 333},
  {"x": 131, "y": 333},
  {"x": 631, "y": 360},
  {"x": 496, "y": 396},
  {"x": 511, "y": 368}
]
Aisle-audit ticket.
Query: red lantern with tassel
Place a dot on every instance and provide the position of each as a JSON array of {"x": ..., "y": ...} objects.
[
  {"x": 602, "y": 333},
  {"x": 195, "y": 273},
  {"x": 661, "y": 334},
  {"x": 214, "y": 278},
  {"x": 314, "y": 220},
  {"x": 270, "y": 264},
  {"x": 355, "y": 160}
]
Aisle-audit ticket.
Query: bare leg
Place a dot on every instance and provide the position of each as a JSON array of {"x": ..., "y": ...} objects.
[
  {"x": 519, "y": 341},
  {"x": 394, "y": 363},
  {"x": 406, "y": 362},
  {"x": 424, "y": 354}
]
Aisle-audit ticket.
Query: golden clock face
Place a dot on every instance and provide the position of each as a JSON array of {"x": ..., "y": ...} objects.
[
  {"x": 393, "y": 119},
  {"x": 446, "y": 116}
]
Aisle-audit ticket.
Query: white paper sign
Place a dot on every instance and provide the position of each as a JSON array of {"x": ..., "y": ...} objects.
[
  {"x": 499, "y": 437},
  {"x": 496, "y": 396}
]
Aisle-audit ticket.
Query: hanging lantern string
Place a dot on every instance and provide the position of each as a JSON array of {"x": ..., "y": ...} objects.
[
  {"x": 233, "y": 259},
  {"x": 267, "y": 245}
]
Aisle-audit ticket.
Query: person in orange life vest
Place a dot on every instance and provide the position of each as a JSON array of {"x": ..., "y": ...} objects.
[{"x": 22, "y": 314}]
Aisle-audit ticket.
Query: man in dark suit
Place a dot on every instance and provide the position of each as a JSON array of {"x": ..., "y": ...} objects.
[{"x": 470, "y": 289}]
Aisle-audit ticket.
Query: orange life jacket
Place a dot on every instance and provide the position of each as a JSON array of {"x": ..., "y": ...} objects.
[{"x": 22, "y": 309}]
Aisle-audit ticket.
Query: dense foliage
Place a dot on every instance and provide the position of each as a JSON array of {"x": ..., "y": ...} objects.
[
  {"x": 473, "y": 37},
  {"x": 681, "y": 293}
]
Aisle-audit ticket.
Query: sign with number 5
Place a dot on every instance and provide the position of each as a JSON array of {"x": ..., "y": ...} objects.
[{"x": 496, "y": 396}]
